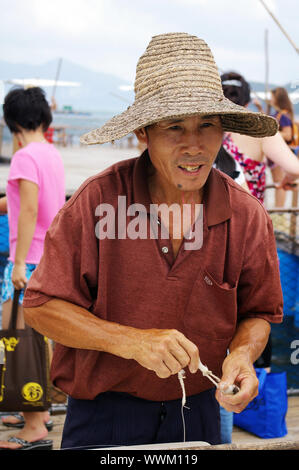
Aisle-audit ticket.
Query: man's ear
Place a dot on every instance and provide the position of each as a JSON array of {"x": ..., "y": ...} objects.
[{"x": 141, "y": 135}]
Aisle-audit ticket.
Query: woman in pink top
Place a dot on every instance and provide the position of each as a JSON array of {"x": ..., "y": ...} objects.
[{"x": 35, "y": 193}]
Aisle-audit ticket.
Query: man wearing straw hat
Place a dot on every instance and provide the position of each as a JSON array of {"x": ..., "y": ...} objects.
[{"x": 130, "y": 309}]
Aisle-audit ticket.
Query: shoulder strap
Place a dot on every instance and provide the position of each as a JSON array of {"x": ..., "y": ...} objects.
[{"x": 14, "y": 310}]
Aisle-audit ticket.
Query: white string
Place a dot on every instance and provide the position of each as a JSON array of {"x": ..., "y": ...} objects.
[
  {"x": 181, "y": 377},
  {"x": 207, "y": 373},
  {"x": 226, "y": 389}
]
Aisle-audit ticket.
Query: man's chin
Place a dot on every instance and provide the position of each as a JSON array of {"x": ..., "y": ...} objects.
[{"x": 191, "y": 186}]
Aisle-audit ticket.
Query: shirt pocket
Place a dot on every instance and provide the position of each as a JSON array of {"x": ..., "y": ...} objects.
[{"x": 211, "y": 311}]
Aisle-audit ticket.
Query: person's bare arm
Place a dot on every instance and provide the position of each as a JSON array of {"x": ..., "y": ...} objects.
[
  {"x": 3, "y": 205},
  {"x": 26, "y": 227},
  {"x": 246, "y": 347},
  {"x": 277, "y": 150},
  {"x": 257, "y": 103},
  {"x": 165, "y": 352},
  {"x": 286, "y": 133}
]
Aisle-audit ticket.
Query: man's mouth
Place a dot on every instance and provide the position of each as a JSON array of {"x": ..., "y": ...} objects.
[{"x": 190, "y": 168}]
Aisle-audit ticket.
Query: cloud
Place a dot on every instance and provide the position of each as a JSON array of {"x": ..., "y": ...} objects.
[
  {"x": 69, "y": 17},
  {"x": 250, "y": 8}
]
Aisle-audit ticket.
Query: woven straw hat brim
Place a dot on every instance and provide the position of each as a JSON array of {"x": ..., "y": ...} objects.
[
  {"x": 145, "y": 112},
  {"x": 177, "y": 77}
]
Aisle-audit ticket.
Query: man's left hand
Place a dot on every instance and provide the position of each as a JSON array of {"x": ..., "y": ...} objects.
[{"x": 238, "y": 370}]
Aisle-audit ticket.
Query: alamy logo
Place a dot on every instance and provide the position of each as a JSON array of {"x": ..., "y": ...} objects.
[
  {"x": 136, "y": 222},
  {"x": 295, "y": 354}
]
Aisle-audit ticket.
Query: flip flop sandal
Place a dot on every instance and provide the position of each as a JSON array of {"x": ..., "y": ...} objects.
[
  {"x": 20, "y": 424},
  {"x": 25, "y": 445}
]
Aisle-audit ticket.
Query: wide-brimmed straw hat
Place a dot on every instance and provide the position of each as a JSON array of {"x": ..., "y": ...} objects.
[{"x": 177, "y": 77}]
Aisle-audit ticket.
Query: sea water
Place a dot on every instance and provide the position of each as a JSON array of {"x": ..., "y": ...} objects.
[{"x": 74, "y": 124}]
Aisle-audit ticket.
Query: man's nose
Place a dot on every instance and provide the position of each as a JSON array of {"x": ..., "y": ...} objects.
[{"x": 192, "y": 143}]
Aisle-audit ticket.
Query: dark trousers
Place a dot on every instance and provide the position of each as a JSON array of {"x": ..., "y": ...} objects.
[{"x": 119, "y": 419}]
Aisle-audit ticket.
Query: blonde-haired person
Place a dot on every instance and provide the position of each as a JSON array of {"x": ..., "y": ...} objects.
[{"x": 284, "y": 112}]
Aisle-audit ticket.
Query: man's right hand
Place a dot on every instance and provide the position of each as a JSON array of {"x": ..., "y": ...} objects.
[{"x": 165, "y": 352}]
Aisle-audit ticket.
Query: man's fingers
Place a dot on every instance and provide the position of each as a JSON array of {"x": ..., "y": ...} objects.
[
  {"x": 173, "y": 365},
  {"x": 181, "y": 356},
  {"x": 174, "y": 354},
  {"x": 248, "y": 391},
  {"x": 166, "y": 352},
  {"x": 192, "y": 352},
  {"x": 178, "y": 352},
  {"x": 163, "y": 371},
  {"x": 166, "y": 366}
]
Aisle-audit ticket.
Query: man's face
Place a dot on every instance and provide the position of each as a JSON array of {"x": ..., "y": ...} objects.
[{"x": 183, "y": 150}]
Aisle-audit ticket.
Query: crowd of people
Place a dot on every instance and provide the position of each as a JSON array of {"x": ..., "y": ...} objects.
[{"x": 126, "y": 316}]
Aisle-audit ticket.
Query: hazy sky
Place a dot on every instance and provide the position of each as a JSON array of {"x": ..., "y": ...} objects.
[{"x": 110, "y": 35}]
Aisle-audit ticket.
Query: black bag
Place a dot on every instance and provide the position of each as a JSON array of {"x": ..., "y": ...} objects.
[{"x": 24, "y": 367}]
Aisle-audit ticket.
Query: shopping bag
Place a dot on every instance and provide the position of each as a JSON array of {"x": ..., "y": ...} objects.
[
  {"x": 265, "y": 416},
  {"x": 24, "y": 367}
]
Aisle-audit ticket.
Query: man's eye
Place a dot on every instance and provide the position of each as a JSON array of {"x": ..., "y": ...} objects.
[
  {"x": 175, "y": 128},
  {"x": 207, "y": 124}
]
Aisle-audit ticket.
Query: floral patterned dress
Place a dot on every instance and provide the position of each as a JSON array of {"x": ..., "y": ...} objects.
[{"x": 254, "y": 171}]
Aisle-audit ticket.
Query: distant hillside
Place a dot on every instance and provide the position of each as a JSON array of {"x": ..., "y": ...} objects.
[
  {"x": 98, "y": 91},
  {"x": 95, "y": 93}
]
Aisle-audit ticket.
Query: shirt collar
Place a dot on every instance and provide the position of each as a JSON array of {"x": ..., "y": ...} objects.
[{"x": 215, "y": 199}]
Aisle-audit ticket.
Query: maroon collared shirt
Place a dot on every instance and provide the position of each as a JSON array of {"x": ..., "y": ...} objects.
[{"x": 203, "y": 293}]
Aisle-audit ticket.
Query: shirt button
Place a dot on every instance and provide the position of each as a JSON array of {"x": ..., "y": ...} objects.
[
  {"x": 208, "y": 280},
  {"x": 165, "y": 249}
]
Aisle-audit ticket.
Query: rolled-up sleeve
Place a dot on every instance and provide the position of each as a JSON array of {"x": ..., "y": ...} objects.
[{"x": 259, "y": 288}]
